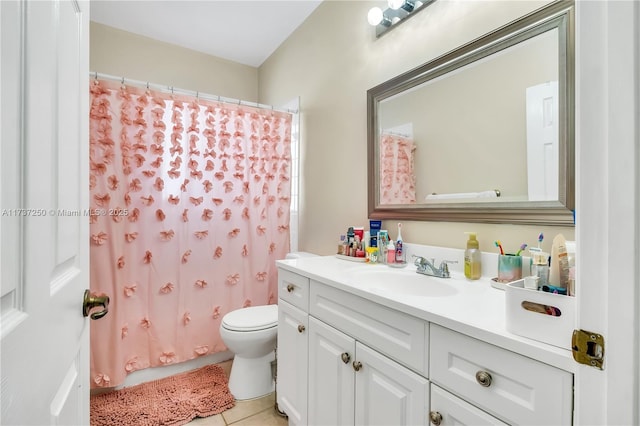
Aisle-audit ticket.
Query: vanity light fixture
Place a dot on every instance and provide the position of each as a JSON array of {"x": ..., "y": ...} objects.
[{"x": 396, "y": 12}]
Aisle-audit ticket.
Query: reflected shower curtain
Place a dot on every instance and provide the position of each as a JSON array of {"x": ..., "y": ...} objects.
[
  {"x": 190, "y": 210},
  {"x": 397, "y": 175}
]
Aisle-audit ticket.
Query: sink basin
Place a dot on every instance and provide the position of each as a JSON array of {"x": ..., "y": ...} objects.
[{"x": 405, "y": 282}]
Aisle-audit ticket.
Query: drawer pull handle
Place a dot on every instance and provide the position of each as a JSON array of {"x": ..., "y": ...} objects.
[
  {"x": 435, "y": 417},
  {"x": 346, "y": 357},
  {"x": 301, "y": 328},
  {"x": 357, "y": 365},
  {"x": 483, "y": 378},
  {"x": 290, "y": 288}
]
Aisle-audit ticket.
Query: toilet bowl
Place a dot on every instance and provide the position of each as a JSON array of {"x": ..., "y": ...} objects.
[{"x": 250, "y": 333}]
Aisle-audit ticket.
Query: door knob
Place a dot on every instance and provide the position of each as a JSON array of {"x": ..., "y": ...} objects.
[
  {"x": 346, "y": 357},
  {"x": 301, "y": 328},
  {"x": 91, "y": 302},
  {"x": 357, "y": 365},
  {"x": 290, "y": 288}
]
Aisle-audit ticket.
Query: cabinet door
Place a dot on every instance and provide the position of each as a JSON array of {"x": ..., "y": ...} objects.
[
  {"x": 388, "y": 393},
  {"x": 447, "y": 409},
  {"x": 331, "y": 375},
  {"x": 292, "y": 362}
]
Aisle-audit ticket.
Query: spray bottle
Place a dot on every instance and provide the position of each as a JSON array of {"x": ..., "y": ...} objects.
[{"x": 472, "y": 258}]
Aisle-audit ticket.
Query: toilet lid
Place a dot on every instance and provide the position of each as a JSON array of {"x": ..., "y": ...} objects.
[{"x": 252, "y": 318}]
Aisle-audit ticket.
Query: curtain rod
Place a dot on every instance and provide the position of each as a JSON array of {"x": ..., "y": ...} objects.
[{"x": 171, "y": 89}]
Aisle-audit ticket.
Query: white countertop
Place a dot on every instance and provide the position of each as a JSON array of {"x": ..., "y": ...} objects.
[{"x": 477, "y": 309}]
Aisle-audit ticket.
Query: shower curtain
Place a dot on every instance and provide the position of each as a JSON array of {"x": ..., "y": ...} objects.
[
  {"x": 397, "y": 175},
  {"x": 189, "y": 211}
]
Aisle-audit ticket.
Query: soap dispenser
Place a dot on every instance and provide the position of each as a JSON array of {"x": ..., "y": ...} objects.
[{"x": 472, "y": 258}]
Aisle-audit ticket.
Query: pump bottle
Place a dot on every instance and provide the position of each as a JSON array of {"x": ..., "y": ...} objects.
[{"x": 472, "y": 258}]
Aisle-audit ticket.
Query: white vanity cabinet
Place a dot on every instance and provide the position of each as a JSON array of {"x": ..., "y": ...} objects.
[{"x": 345, "y": 357}]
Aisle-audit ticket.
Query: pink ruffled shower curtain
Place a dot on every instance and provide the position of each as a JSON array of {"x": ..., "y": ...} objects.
[
  {"x": 397, "y": 180},
  {"x": 190, "y": 210}
]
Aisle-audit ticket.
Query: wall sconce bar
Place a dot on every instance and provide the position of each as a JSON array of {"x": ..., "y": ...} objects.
[{"x": 397, "y": 12}]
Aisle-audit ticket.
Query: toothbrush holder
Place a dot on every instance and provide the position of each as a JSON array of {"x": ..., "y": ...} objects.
[{"x": 509, "y": 268}]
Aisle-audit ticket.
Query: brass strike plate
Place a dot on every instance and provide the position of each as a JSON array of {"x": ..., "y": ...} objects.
[{"x": 588, "y": 348}]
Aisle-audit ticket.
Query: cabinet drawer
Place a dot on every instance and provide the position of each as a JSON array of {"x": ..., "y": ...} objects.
[
  {"x": 454, "y": 411},
  {"x": 516, "y": 389},
  {"x": 294, "y": 289},
  {"x": 397, "y": 335}
]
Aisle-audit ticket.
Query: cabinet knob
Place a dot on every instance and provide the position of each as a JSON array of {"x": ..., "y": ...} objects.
[
  {"x": 290, "y": 287},
  {"x": 301, "y": 328},
  {"x": 483, "y": 378},
  {"x": 435, "y": 417},
  {"x": 346, "y": 357},
  {"x": 357, "y": 365}
]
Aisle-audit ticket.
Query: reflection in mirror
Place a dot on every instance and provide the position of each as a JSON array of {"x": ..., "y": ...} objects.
[
  {"x": 483, "y": 133},
  {"x": 482, "y": 123}
]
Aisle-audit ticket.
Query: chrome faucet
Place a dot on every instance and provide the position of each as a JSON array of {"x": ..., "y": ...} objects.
[{"x": 427, "y": 267}]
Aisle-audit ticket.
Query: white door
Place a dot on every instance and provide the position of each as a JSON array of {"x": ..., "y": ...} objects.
[
  {"x": 43, "y": 231},
  {"x": 607, "y": 211},
  {"x": 293, "y": 351},
  {"x": 331, "y": 375},
  {"x": 388, "y": 393}
]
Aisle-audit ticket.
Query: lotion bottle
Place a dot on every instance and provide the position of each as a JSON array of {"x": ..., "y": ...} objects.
[{"x": 472, "y": 258}]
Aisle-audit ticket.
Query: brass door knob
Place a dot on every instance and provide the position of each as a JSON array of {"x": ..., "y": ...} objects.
[
  {"x": 290, "y": 288},
  {"x": 484, "y": 378},
  {"x": 435, "y": 417},
  {"x": 357, "y": 365},
  {"x": 301, "y": 328},
  {"x": 89, "y": 302},
  {"x": 346, "y": 357}
]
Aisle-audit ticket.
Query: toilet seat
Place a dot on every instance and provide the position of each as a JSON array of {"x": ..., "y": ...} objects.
[{"x": 253, "y": 318}]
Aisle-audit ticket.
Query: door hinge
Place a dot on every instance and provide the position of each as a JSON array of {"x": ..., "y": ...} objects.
[{"x": 588, "y": 348}]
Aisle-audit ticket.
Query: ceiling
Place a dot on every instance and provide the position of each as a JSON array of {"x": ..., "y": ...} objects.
[{"x": 244, "y": 31}]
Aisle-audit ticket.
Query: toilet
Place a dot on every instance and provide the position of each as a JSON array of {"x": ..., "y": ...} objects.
[{"x": 251, "y": 334}]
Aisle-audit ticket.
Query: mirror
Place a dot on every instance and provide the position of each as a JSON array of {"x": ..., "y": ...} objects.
[{"x": 481, "y": 134}]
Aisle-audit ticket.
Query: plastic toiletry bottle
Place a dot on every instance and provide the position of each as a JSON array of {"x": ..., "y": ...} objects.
[
  {"x": 472, "y": 258},
  {"x": 540, "y": 267},
  {"x": 399, "y": 249},
  {"x": 391, "y": 252}
]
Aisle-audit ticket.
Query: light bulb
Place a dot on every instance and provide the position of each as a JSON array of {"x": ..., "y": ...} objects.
[
  {"x": 375, "y": 16},
  {"x": 395, "y": 4}
]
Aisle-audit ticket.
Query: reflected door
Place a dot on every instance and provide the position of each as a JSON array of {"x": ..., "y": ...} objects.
[{"x": 542, "y": 141}]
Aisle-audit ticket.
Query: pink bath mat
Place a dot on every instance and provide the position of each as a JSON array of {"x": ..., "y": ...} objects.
[{"x": 175, "y": 400}]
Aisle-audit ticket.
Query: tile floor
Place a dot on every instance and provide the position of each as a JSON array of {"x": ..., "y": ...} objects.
[{"x": 254, "y": 412}]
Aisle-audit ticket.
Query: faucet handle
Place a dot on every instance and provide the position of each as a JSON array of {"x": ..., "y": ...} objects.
[
  {"x": 419, "y": 260},
  {"x": 444, "y": 267}
]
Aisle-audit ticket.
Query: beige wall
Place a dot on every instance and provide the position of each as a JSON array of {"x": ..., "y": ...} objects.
[
  {"x": 330, "y": 62},
  {"x": 123, "y": 54}
]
